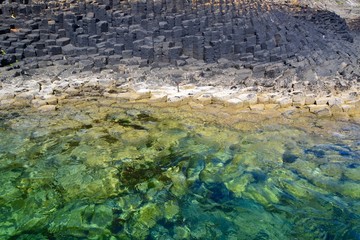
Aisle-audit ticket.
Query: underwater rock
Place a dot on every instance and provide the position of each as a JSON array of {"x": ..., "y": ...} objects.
[
  {"x": 181, "y": 232},
  {"x": 221, "y": 156},
  {"x": 133, "y": 112},
  {"x": 318, "y": 153},
  {"x": 179, "y": 185},
  {"x": 352, "y": 173},
  {"x": 91, "y": 156},
  {"x": 102, "y": 217},
  {"x": 82, "y": 117},
  {"x": 71, "y": 220},
  {"x": 32, "y": 236},
  {"x": 70, "y": 178},
  {"x": 194, "y": 168},
  {"x": 81, "y": 221},
  {"x": 261, "y": 154},
  {"x": 238, "y": 185},
  {"x": 127, "y": 154},
  {"x": 130, "y": 202},
  {"x": 8, "y": 191},
  {"x": 160, "y": 232},
  {"x": 34, "y": 212},
  {"x": 32, "y": 222},
  {"x": 171, "y": 209},
  {"x": 128, "y": 123},
  {"x": 232, "y": 171},
  {"x": 200, "y": 231},
  {"x": 302, "y": 189},
  {"x": 138, "y": 231},
  {"x": 263, "y": 195},
  {"x": 75, "y": 182},
  {"x": 116, "y": 131},
  {"x": 7, "y": 228},
  {"x": 331, "y": 152},
  {"x": 142, "y": 187},
  {"x": 282, "y": 174},
  {"x": 356, "y": 207},
  {"x": 136, "y": 138},
  {"x": 342, "y": 150},
  {"x": 333, "y": 170},
  {"x": 305, "y": 168},
  {"x": 161, "y": 139},
  {"x": 271, "y": 224},
  {"x": 39, "y": 133},
  {"x": 92, "y": 135},
  {"x": 350, "y": 189},
  {"x": 324, "y": 182},
  {"x": 149, "y": 214},
  {"x": 157, "y": 189},
  {"x": 215, "y": 137},
  {"x": 60, "y": 125},
  {"x": 211, "y": 173}
]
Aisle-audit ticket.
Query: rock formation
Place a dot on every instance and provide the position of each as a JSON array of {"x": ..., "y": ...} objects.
[{"x": 264, "y": 37}]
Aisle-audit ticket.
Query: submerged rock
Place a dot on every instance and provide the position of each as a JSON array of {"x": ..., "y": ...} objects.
[
  {"x": 302, "y": 189},
  {"x": 238, "y": 185},
  {"x": 82, "y": 221},
  {"x": 179, "y": 185},
  {"x": 149, "y": 214},
  {"x": 9, "y": 192},
  {"x": 352, "y": 173},
  {"x": 350, "y": 189},
  {"x": 171, "y": 209},
  {"x": 181, "y": 232},
  {"x": 76, "y": 183},
  {"x": 136, "y": 138},
  {"x": 102, "y": 217},
  {"x": 7, "y": 228},
  {"x": 264, "y": 195},
  {"x": 334, "y": 170}
]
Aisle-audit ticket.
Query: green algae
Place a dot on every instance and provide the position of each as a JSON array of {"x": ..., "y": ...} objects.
[{"x": 104, "y": 172}]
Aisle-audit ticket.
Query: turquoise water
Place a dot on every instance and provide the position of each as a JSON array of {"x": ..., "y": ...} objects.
[{"x": 128, "y": 173}]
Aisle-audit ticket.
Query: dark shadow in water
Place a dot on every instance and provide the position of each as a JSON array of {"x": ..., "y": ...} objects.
[{"x": 288, "y": 157}]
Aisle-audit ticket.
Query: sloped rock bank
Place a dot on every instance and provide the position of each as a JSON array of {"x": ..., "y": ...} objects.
[{"x": 265, "y": 40}]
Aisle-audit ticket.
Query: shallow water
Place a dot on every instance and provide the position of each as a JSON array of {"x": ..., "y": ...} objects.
[{"x": 97, "y": 171}]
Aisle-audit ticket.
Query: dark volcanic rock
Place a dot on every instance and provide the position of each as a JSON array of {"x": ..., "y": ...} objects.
[{"x": 265, "y": 38}]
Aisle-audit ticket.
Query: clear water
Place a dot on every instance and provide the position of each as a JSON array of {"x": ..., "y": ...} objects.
[{"x": 93, "y": 171}]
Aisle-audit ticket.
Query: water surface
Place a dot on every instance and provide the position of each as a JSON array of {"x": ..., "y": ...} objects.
[{"x": 97, "y": 171}]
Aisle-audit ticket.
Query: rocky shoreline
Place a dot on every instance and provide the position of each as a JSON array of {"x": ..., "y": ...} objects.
[
  {"x": 48, "y": 93},
  {"x": 238, "y": 55}
]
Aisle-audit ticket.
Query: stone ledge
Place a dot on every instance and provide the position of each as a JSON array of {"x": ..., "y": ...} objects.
[{"x": 346, "y": 104}]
